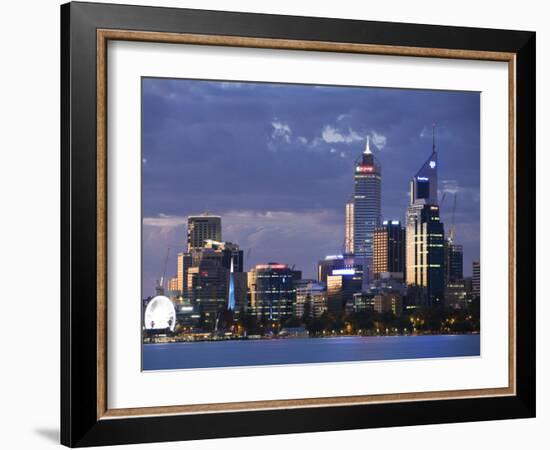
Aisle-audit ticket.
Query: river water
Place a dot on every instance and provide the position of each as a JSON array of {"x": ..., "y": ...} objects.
[{"x": 192, "y": 355}]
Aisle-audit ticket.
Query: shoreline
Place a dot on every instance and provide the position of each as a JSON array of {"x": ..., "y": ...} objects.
[{"x": 164, "y": 340}]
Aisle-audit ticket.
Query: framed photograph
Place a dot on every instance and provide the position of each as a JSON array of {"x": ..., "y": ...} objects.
[{"x": 277, "y": 224}]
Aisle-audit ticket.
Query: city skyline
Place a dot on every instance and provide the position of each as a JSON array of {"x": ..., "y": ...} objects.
[{"x": 282, "y": 197}]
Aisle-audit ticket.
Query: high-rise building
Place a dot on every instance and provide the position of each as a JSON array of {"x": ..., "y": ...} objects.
[
  {"x": 425, "y": 255},
  {"x": 341, "y": 286},
  {"x": 207, "y": 283},
  {"x": 348, "y": 238},
  {"x": 184, "y": 262},
  {"x": 311, "y": 298},
  {"x": 230, "y": 253},
  {"x": 453, "y": 261},
  {"x": 213, "y": 276},
  {"x": 476, "y": 279},
  {"x": 367, "y": 204},
  {"x": 424, "y": 183},
  {"x": 327, "y": 265},
  {"x": 425, "y": 234},
  {"x": 272, "y": 292},
  {"x": 389, "y": 249},
  {"x": 173, "y": 284},
  {"x": 203, "y": 227},
  {"x": 241, "y": 291}
]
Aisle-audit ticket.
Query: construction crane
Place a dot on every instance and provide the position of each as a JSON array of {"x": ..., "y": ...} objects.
[
  {"x": 452, "y": 230},
  {"x": 442, "y": 199},
  {"x": 163, "y": 279}
]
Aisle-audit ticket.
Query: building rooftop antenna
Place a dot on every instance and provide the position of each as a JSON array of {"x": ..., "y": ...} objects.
[
  {"x": 163, "y": 279},
  {"x": 367, "y": 147},
  {"x": 452, "y": 232}
]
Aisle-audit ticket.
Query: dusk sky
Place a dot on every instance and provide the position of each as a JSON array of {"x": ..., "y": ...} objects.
[{"x": 276, "y": 161}]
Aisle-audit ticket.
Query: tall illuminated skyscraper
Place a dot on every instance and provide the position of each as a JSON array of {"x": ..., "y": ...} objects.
[
  {"x": 348, "y": 239},
  {"x": 425, "y": 233},
  {"x": 367, "y": 204}
]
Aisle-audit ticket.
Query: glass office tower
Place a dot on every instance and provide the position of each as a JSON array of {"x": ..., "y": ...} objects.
[
  {"x": 425, "y": 257},
  {"x": 366, "y": 205}
]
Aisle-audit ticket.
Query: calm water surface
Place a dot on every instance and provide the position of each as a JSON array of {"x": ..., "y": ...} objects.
[{"x": 192, "y": 355}]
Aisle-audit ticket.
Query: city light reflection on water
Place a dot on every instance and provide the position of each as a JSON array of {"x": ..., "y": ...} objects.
[{"x": 189, "y": 355}]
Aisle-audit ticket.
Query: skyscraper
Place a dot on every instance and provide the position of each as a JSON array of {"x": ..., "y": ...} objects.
[
  {"x": 272, "y": 292},
  {"x": 311, "y": 298},
  {"x": 184, "y": 262},
  {"x": 231, "y": 253},
  {"x": 425, "y": 233},
  {"x": 207, "y": 282},
  {"x": 348, "y": 239},
  {"x": 476, "y": 288},
  {"x": 214, "y": 277},
  {"x": 341, "y": 286},
  {"x": 327, "y": 265},
  {"x": 173, "y": 284},
  {"x": 367, "y": 204},
  {"x": 203, "y": 227},
  {"x": 453, "y": 261},
  {"x": 389, "y": 249}
]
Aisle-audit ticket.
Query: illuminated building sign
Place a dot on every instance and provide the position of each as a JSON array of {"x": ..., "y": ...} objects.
[
  {"x": 343, "y": 272},
  {"x": 432, "y": 164},
  {"x": 331, "y": 257},
  {"x": 365, "y": 169},
  {"x": 422, "y": 178},
  {"x": 395, "y": 222},
  {"x": 272, "y": 266},
  {"x": 434, "y": 208}
]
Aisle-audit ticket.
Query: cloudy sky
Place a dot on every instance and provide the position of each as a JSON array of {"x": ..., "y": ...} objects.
[{"x": 276, "y": 162}]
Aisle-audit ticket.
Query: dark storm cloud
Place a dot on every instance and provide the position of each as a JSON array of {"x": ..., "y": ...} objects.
[{"x": 276, "y": 162}]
